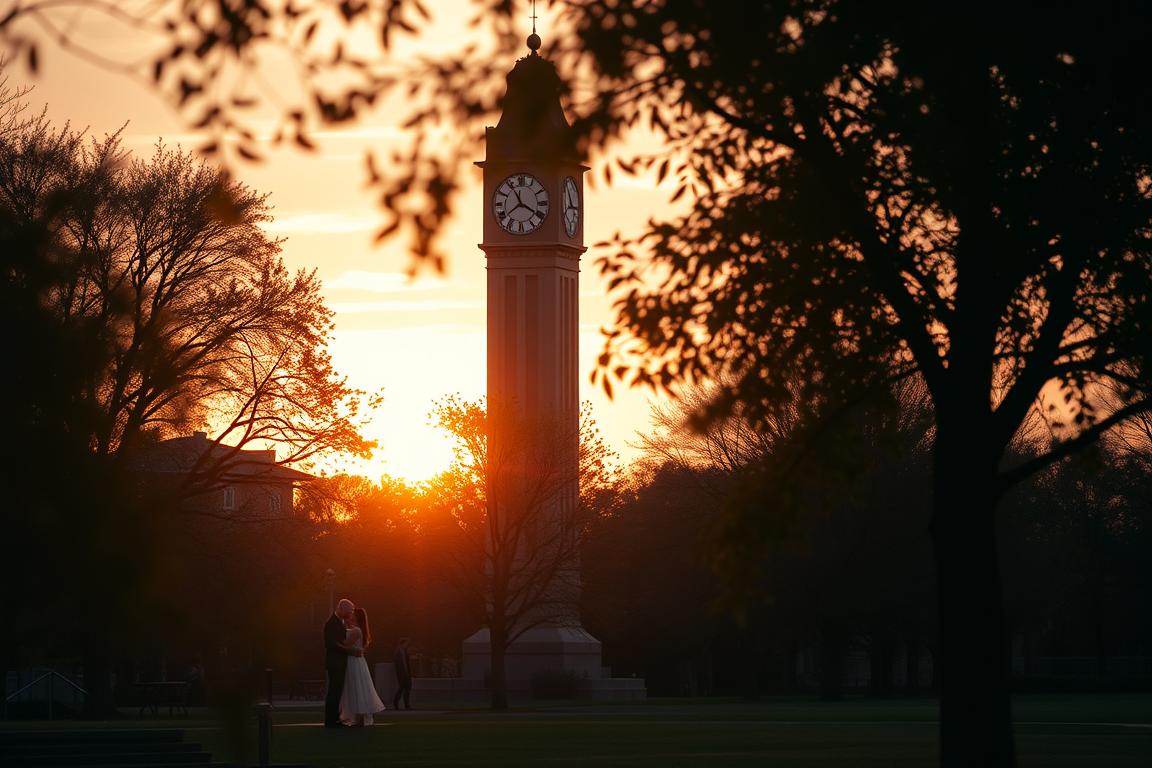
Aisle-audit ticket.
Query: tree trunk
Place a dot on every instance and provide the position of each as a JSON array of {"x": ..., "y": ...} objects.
[
  {"x": 832, "y": 650},
  {"x": 934, "y": 668},
  {"x": 912, "y": 665},
  {"x": 708, "y": 671},
  {"x": 975, "y": 708},
  {"x": 791, "y": 659},
  {"x": 1098, "y": 636},
  {"x": 751, "y": 682},
  {"x": 880, "y": 661},
  {"x": 99, "y": 703},
  {"x": 498, "y": 681}
]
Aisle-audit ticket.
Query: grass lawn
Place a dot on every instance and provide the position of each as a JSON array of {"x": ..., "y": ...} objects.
[
  {"x": 1095, "y": 731},
  {"x": 1052, "y": 731}
]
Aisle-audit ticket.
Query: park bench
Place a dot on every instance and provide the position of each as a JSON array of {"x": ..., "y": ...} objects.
[{"x": 173, "y": 695}]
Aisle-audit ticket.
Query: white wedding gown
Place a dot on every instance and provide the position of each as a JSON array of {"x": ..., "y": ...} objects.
[{"x": 359, "y": 696}]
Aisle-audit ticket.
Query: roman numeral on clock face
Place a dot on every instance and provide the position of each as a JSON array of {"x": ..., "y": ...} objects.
[{"x": 520, "y": 204}]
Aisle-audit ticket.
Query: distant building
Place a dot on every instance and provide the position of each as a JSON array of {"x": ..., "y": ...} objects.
[{"x": 218, "y": 479}]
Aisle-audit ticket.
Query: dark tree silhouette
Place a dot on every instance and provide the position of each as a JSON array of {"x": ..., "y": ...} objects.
[
  {"x": 876, "y": 191},
  {"x": 650, "y": 591},
  {"x": 390, "y": 547},
  {"x": 818, "y": 517},
  {"x": 521, "y": 565},
  {"x": 1076, "y": 539},
  {"x": 207, "y": 57},
  {"x": 140, "y": 299},
  {"x": 960, "y": 191}
]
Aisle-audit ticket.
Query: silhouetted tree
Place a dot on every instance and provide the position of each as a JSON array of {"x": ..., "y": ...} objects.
[
  {"x": 650, "y": 591},
  {"x": 140, "y": 299},
  {"x": 206, "y": 56},
  {"x": 873, "y": 191},
  {"x": 14, "y": 116},
  {"x": 387, "y": 545},
  {"x": 683, "y": 433},
  {"x": 831, "y": 531},
  {"x": 521, "y": 567},
  {"x": 1076, "y": 540},
  {"x": 870, "y": 189},
  {"x": 819, "y": 518}
]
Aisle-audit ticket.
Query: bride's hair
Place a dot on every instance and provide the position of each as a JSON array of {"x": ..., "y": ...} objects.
[{"x": 362, "y": 619}]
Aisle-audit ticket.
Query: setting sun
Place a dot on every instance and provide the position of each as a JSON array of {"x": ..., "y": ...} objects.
[
  {"x": 397, "y": 361},
  {"x": 412, "y": 340},
  {"x": 786, "y": 361}
]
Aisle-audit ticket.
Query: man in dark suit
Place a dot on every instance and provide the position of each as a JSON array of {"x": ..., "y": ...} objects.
[
  {"x": 403, "y": 675},
  {"x": 336, "y": 661}
]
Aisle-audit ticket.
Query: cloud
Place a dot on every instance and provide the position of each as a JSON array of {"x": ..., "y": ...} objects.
[
  {"x": 265, "y": 129},
  {"x": 363, "y": 132},
  {"x": 324, "y": 222},
  {"x": 403, "y": 305},
  {"x": 170, "y": 139},
  {"x": 381, "y": 282},
  {"x": 406, "y": 335},
  {"x": 645, "y": 181}
]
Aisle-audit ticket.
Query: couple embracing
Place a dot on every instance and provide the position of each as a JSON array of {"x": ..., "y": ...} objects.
[{"x": 351, "y": 699}]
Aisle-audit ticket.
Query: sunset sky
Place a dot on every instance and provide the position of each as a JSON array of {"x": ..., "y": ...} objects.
[{"x": 416, "y": 340}]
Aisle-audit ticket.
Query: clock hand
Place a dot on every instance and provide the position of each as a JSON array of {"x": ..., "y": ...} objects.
[{"x": 519, "y": 201}]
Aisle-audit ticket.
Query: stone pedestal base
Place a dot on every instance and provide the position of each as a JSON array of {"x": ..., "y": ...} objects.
[
  {"x": 539, "y": 652},
  {"x": 543, "y": 663}
]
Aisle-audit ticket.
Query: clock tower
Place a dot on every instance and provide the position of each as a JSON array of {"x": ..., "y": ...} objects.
[{"x": 533, "y": 237}]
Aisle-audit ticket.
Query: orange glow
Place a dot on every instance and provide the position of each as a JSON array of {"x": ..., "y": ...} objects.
[{"x": 415, "y": 341}]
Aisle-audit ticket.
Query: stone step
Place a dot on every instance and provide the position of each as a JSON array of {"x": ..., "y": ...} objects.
[
  {"x": 113, "y": 748},
  {"x": 114, "y": 735},
  {"x": 94, "y": 747},
  {"x": 135, "y": 765},
  {"x": 108, "y": 757},
  {"x": 136, "y": 748}
]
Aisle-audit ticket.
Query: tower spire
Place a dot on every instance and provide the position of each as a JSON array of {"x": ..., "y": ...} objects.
[{"x": 534, "y": 39}]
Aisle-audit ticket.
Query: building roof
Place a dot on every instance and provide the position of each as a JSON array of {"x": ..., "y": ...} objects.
[
  {"x": 532, "y": 123},
  {"x": 195, "y": 453}
]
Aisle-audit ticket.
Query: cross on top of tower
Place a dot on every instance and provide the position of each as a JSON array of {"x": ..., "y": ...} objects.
[{"x": 534, "y": 39}]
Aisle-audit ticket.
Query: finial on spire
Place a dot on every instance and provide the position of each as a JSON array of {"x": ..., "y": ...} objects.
[{"x": 533, "y": 39}]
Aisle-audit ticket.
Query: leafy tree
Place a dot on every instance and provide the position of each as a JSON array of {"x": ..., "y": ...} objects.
[
  {"x": 817, "y": 517},
  {"x": 208, "y": 59},
  {"x": 682, "y": 434},
  {"x": 649, "y": 589},
  {"x": 957, "y": 191},
  {"x": 141, "y": 299},
  {"x": 14, "y": 115},
  {"x": 520, "y": 566},
  {"x": 1076, "y": 538},
  {"x": 875, "y": 191},
  {"x": 837, "y": 517},
  {"x": 390, "y": 549}
]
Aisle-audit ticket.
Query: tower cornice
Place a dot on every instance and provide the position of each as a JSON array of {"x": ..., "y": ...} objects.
[{"x": 499, "y": 250}]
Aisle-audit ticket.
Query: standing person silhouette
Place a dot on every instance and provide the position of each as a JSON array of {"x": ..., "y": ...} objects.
[
  {"x": 336, "y": 661},
  {"x": 403, "y": 675},
  {"x": 359, "y": 701}
]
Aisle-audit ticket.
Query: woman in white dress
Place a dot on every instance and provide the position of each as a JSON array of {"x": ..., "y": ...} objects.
[{"x": 359, "y": 701}]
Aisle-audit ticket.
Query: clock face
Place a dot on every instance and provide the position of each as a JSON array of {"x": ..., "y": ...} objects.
[
  {"x": 571, "y": 206},
  {"x": 520, "y": 204}
]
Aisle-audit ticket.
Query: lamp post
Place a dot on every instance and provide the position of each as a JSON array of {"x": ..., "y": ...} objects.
[{"x": 330, "y": 575}]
